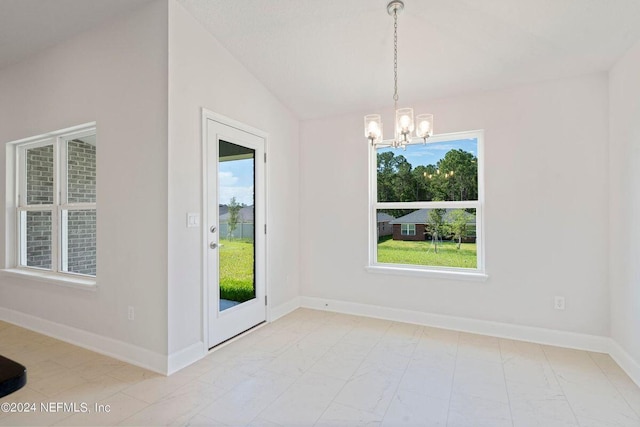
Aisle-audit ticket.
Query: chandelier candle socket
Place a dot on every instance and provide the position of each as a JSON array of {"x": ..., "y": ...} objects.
[{"x": 404, "y": 123}]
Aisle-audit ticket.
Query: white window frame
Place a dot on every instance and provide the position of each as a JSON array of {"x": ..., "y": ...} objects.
[
  {"x": 478, "y": 273},
  {"x": 15, "y": 261},
  {"x": 410, "y": 231}
]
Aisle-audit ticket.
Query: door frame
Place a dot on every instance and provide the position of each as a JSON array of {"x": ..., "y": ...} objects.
[{"x": 204, "y": 215}]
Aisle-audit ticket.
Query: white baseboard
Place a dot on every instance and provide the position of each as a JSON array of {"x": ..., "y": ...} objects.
[
  {"x": 185, "y": 357},
  {"x": 625, "y": 361},
  {"x": 108, "y": 346},
  {"x": 553, "y": 337},
  {"x": 283, "y": 309},
  {"x": 483, "y": 327},
  {"x": 167, "y": 365}
]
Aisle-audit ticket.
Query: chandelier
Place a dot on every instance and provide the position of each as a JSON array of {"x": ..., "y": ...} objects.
[{"x": 404, "y": 123}]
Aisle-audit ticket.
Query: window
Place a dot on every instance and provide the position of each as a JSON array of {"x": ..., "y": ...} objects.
[
  {"x": 433, "y": 193},
  {"x": 56, "y": 202},
  {"x": 408, "y": 229}
]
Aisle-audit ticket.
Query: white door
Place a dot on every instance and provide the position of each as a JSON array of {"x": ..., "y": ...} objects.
[{"x": 235, "y": 251}]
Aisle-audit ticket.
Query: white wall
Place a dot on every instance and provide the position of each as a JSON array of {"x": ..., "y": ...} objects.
[
  {"x": 116, "y": 75},
  {"x": 546, "y": 209},
  {"x": 204, "y": 74},
  {"x": 624, "y": 164}
]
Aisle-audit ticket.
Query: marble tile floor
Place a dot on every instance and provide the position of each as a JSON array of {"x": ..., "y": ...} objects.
[{"x": 315, "y": 368}]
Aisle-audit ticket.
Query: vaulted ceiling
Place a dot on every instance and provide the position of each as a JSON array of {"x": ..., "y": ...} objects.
[
  {"x": 29, "y": 26},
  {"x": 328, "y": 57}
]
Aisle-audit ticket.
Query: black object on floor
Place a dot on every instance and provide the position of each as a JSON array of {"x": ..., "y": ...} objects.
[{"x": 13, "y": 376}]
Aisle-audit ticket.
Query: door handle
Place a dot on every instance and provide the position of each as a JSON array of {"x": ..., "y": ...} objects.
[{"x": 213, "y": 245}]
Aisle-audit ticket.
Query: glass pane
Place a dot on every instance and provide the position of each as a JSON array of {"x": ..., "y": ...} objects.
[
  {"x": 38, "y": 239},
  {"x": 81, "y": 172},
  {"x": 444, "y": 171},
  {"x": 40, "y": 175},
  {"x": 428, "y": 237},
  {"x": 236, "y": 240},
  {"x": 79, "y": 242}
]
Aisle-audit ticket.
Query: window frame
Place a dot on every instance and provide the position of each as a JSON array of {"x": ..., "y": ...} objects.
[
  {"x": 478, "y": 273},
  {"x": 59, "y": 208},
  {"x": 411, "y": 231}
]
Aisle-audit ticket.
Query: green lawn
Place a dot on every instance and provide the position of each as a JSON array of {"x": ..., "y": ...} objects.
[
  {"x": 236, "y": 270},
  {"x": 422, "y": 253}
]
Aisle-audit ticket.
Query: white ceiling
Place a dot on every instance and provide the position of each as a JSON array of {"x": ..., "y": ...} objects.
[
  {"x": 327, "y": 57},
  {"x": 29, "y": 26}
]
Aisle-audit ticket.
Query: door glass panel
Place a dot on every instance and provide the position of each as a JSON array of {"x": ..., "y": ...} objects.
[{"x": 236, "y": 177}]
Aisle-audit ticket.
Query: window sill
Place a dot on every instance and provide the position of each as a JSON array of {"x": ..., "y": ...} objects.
[
  {"x": 474, "y": 276},
  {"x": 52, "y": 278}
]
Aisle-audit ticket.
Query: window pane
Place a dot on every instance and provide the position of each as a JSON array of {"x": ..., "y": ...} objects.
[
  {"x": 441, "y": 237},
  {"x": 81, "y": 171},
  {"x": 38, "y": 239},
  {"x": 79, "y": 242},
  {"x": 444, "y": 171},
  {"x": 40, "y": 175}
]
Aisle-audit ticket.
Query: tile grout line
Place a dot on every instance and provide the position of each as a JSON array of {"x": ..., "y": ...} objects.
[
  {"x": 347, "y": 381},
  {"x": 453, "y": 377},
  {"x": 564, "y": 394},
  {"x": 504, "y": 376},
  {"x": 276, "y": 373},
  {"x": 297, "y": 379},
  {"x": 613, "y": 384},
  {"x": 395, "y": 393}
]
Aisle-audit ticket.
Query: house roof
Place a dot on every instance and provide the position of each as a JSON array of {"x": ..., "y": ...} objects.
[
  {"x": 420, "y": 217},
  {"x": 384, "y": 217}
]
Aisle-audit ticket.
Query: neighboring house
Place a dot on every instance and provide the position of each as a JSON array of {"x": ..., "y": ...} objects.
[
  {"x": 244, "y": 228},
  {"x": 413, "y": 226},
  {"x": 384, "y": 226}
]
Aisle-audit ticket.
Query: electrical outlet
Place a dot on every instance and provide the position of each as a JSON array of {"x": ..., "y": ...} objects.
[
  {"x": 558, "y": 303},
  {"x": 131, "y": 314}
]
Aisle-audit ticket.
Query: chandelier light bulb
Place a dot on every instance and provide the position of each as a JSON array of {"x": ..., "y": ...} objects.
[
  {"x": 373, "y": 128},
  {"x": 405, "y": 122},
  {"x": 425, "y": 126}
]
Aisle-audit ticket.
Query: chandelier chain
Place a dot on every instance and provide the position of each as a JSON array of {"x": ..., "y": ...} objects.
[{"x": 395, "y": 58}]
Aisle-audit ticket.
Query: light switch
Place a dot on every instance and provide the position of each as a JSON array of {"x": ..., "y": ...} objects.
[{"x": 193, "y": 220}]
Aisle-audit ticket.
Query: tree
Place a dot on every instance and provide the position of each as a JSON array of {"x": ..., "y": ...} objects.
[
  {"x": 458, "y": 225},
  {"x": 234, "y": 216},
  {"x": 386, "y": 170},
  {"x": 396, "y": 183},
  {"x": 436, "y": 226},
  {"x": 463, "y": 184}
]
